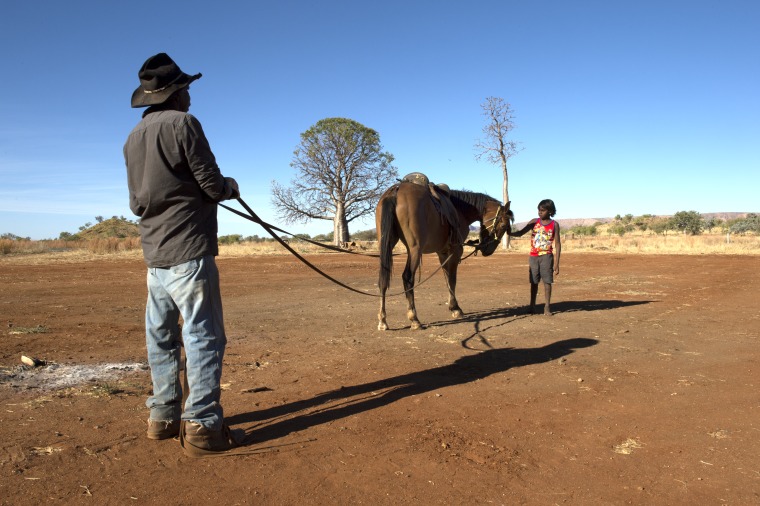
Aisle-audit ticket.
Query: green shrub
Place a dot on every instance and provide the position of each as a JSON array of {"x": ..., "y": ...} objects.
[{"x": 230, "y": 239}]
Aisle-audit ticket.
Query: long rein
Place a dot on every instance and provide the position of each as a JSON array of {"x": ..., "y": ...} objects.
[{"x": 252, "y": 216}]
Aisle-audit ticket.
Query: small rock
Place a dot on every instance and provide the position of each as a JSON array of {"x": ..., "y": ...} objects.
[{"x": 31, "y": 361}]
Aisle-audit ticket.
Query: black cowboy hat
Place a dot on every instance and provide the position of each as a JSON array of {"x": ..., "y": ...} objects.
[{"x": 159, "y": 78}]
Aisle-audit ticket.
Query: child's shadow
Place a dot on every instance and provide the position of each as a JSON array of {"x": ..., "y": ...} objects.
[{"x": 278, "y": 421}]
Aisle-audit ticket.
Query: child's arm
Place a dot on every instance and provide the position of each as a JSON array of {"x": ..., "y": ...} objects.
[
  {"x": 527, "y": 227},
  {"x": 557, "y": 247}
]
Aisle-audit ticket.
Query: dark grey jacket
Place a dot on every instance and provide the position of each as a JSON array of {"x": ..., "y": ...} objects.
[{"x": 174, "y": 185}]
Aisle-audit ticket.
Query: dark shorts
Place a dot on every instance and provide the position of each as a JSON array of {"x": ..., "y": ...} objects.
[{"x": 541, "y": 269}]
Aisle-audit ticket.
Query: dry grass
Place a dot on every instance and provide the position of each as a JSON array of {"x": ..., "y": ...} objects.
[
  {"x": 273, "y": 248},
  {"x": 39, "y": 329},
  {"x": 678, "y": 244},
  {"x": 59, "y": 251},
  {"x": 111, "y": 245},
  {"x": 44, "y": 252}
]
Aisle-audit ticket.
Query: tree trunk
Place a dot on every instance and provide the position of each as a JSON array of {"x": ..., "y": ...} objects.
[
  {"x": 340, "y": 226},
  {"x": 506, "y": 240}
]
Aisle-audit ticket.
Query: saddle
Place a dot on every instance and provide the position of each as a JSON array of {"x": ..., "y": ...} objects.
[{"x": 439, "y": 194}]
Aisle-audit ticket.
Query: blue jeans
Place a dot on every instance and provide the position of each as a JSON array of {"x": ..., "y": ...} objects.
[{"x": 190, "y": 290}]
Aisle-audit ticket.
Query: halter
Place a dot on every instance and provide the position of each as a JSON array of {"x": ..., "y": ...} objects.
[
  {"x": 491, "y": 229},
  {"x": 493, "y": 221}
]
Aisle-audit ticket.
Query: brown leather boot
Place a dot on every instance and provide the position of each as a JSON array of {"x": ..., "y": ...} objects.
[
  {"x": 198, "y": 441},
  {"x": 162, "y": 429}
]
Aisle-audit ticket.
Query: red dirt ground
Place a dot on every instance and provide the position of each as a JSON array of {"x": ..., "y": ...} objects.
[{"x": 643, "y": 388}]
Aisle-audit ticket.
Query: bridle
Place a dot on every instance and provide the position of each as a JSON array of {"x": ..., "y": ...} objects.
[
  {"x": 491, "y": 227},
  {"x": 494, "y": 220}
]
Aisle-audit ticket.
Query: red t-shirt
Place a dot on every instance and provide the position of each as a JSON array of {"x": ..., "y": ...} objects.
[{"x": 541, "y": 239}]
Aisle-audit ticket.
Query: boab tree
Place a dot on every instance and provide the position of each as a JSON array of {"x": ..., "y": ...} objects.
[
  {"x": 494, "y": 146},
  {"x": 342, "y": 172}
]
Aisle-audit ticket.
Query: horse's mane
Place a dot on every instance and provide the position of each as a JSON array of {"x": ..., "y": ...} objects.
[{"x": 460, "y": 199}]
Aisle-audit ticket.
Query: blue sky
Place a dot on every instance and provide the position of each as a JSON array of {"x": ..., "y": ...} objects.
[{"x": 621, "y": 107}]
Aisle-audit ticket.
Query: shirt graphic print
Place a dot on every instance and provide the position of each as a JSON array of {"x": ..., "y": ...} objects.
[{"x": 541, "y": 239}]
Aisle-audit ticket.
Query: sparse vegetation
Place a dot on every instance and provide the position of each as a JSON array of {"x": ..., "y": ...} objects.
[
  {"x": 684, "y": 222},
  {"x": 106, "y": 389},
  {"x": 750, "y": 224},
  {"x": 587, "y": 230},
  {"x": 689, "y": 234},
  {"x": 112, "y": 227},
  {"x": 14, "y": 237},
  {"x": 692, "y": 234},
  {"x": 688, "y": 222},
  {"x": 230, "y": 239}
]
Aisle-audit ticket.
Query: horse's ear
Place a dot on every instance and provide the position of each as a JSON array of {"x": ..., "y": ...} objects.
[{"x": 507, "y": 204}]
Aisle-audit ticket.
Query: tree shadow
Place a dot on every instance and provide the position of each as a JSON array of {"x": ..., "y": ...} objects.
[{"x": 278, "y": 421}]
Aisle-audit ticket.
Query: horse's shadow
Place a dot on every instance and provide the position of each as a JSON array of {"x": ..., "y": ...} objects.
[
  {"x": 278, "y": 421},
  {"x": 478, "y": 317}
]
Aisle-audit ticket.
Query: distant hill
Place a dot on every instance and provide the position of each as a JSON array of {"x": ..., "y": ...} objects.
[
  {"x": 725, "y": 216},
  {"x": 113, "y": 227},
  {"x": 568, "y": 223}
]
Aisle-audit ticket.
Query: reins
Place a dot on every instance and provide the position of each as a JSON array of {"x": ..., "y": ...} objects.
[
  {"x": 258, "y": 220},
  {"x": 252, "y": 216}
]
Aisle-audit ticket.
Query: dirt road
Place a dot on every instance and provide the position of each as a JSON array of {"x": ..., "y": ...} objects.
[{"x": 643, "y": 388}]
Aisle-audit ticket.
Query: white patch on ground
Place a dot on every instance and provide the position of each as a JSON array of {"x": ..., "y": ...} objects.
[{"x": 60, "y": 376}]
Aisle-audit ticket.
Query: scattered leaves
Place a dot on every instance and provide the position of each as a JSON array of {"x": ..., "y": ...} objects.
[
  {"x": 39, "y": 329},
  {"x": 627, "y": 446}
]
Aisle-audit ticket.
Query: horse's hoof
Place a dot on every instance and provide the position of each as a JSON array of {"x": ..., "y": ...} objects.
[
  {"x": 457, "y": 314},
  {"x": 416, "y": 325},
  {"x": 382, "y": 326}
]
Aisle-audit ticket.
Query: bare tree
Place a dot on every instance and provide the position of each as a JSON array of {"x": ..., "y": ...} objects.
[
  {"x": 342, "y": 172},
  {"x": 495, "y": 147}
]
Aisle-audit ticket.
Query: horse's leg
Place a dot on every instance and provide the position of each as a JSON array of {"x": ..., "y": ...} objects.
[
  {"x": 382, "y": 324},
  {"x": 384, "y": 281},
  {"x": 383, "y": 284},
  {"x": 412, "y": 263},
  {"x": 385, "y": 220},
  {"x": 450, "y": 274}
]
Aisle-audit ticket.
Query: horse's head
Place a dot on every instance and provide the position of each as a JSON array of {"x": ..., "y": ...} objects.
[{"x": 497, "y": 220}]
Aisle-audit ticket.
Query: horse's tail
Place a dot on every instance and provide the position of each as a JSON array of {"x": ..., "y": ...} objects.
[{"x": 388, "y": 237}]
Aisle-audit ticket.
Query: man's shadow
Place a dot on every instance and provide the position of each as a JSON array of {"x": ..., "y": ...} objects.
[{"x": 278, "y": 421}]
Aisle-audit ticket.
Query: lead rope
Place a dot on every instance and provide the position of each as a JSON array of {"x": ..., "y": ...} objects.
[{"x": 252, "y": 216}]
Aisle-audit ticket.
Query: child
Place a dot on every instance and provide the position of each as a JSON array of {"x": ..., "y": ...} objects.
[{"x": 543, "y": 259}]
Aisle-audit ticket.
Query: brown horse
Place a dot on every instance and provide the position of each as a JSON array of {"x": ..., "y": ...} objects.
[{"x": 408, "y": 212}]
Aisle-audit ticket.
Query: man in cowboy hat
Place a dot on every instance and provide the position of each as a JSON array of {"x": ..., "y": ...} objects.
[{"x": 174, "y": 186}]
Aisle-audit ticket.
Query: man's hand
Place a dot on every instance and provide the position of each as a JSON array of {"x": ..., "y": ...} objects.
[{"x": 233, "y": 188}]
